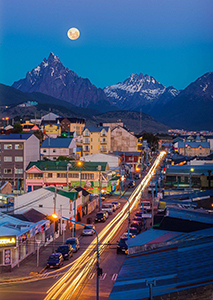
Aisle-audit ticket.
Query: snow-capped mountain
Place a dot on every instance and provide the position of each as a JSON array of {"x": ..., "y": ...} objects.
[
  {"x": 192, "y": 108},
  {"x": 139, "y": 91},
  {"x": 52, "y": 78}
]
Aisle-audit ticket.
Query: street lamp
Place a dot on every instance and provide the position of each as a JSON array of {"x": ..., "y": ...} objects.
[
  {"x": 68, "y": 166},
  {"x": 191, "y": 170},
  {"x": 99, "y": 270},
  {"x": 79, "y": 164}
]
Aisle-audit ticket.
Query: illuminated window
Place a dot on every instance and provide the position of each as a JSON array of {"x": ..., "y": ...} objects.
[
  {"x": 8, "y": 146},
  {"x": 7, "y": 171},
  {"x": 19, "y": 146},
  {"x": 8, "y": 158},
  {"x": 18, "y": 158}
]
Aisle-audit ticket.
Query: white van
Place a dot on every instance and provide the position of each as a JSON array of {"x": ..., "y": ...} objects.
[{"x": 109, "y": 207}]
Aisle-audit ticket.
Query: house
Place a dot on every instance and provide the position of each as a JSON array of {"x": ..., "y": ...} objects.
[
  {"x": 53, "y": 148},
  {"x": 123, "y": 140},
  {"x": 73, "y": 124},
  {"x": 17, "y": 150},
  {"x": 5, "y": 187},
  {"x": 112, "y": 160},
  {"x": 196, "y": 148},
  {"x": 28, "y": 126},
  {"x": 17, "y": 239},
  {"x": 96, "y": 140},
  {"x": 51, "y": 129},
  {"x": 50, "y": 117},
  {"x": 42, "y": 201},
  {"x": 186, "y": 176},
  {"x": 61, "y": 173}
]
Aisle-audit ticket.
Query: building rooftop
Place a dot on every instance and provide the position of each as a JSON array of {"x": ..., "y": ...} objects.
[
  {"x": 193, "y": 144},
  {"x": 71, "y": 195},
  {"x": 15, "y": 136},
  {"x": 186, "y": 169},
  {"x": 56, "y": 143},
  {"x": 62, "y": 166},
  {"x": 96, "y": 129},
  {"x": 175, "y": 267}
]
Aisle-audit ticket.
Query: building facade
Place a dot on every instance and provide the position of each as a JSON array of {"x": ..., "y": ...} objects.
[
  {"x": 45, "y": 173},
  {"x": 17, "y": 150},
  {"x": 73, "y": 125},
  {"x": 53, "y": 148},
  {"x": 123, "y": 140},
  {"x": 96, "y": 140}
]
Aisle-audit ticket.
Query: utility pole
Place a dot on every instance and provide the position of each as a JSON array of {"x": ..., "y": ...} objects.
[
  {"x": 100, "y": 185},
  {"x": 54, "y": 199},
  {"x": 152, "y": 207}
]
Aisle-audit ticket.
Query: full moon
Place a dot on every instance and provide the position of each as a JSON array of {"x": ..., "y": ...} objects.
[{"x": 73, "y": 33}]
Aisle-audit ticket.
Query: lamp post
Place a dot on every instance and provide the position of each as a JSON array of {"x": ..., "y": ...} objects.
[
  {"x": 68, "y": 166},
  {"x": 99, "y": 270},
  {"x": 79, "y": 164},
  {"x": 100, "y": 185},
  {"x": 191, "y": 170}
]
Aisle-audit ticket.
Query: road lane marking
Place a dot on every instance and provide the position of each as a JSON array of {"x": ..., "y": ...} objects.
[
  {"x": 103, "y": 276},
  {"x": 114, "y": 276}
]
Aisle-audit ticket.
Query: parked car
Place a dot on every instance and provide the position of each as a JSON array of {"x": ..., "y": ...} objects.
[
  {"x": 139, "y": 220},
  {"x": 125, "y": 235},
  {"x": 114, "y": 206},
  {"x": 122, "y": 246},
  {"x": 117, "y": 204},
  {"x": 146, "y": 204},
  {"x": 137, "y": 176},
  {"x": 134, "y": 231},
  {"x": 131, "y": 184},
  {"x": 137, "y": 225},
  {"x": 88, "y": 230},
  {"x": 74, "y": 242},
  {"x": 108, "y": 207},
  {"x": 100, "y": 217},
  {"x": 66, "y": 251},
  {"x": 55, "y": 260}
]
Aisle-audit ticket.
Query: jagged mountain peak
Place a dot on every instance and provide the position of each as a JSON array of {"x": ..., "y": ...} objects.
[{"x": 51, "y": 77}]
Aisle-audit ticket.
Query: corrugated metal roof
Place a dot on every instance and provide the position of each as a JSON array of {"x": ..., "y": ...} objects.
[
  {"x": 62, "y": 165},
  {"x": 15, "y": 136},
  {"x": 193, "y": 144},
  {"x": 185, "y": 169},
  {"x": 56, "y": 143},
  {"x": 173, "y": 267},
  {"x": 96, "y": 129},
  {"x": 71, "y": 195}
]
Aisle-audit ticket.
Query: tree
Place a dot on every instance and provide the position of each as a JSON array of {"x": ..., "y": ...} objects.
[
  {"x": 17, "y": 128},
  {"x": 152, "y": 140}
]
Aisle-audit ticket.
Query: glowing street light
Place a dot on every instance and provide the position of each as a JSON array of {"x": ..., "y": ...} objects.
[
  {"x": 191, "y": 170},
  {"x": 79, "y": 164}
]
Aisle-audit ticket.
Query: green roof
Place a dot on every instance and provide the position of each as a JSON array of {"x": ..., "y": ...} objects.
[
  {"x": 71, "y": 195},
  {"x": 115, "y": 178},
  {"x": 47, "y": 165}
]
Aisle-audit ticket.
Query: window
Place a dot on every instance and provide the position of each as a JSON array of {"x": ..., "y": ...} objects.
[
  {"x": 18, "y": 146},
  {"x": 18, "y": 158},
  {"x": 34, "y": 176},
  {"x": 44, "y": 151},
  {"x": 50, "y": 175},
  {"x": 18, "y": 171},
  {"x": 40, "y": 205},
  {"x": 73, "y": 175},
  {"x": 7, "y": 171},
  {"x": 8, "y": 146},
  {"x": 87, "y": 176},
  {"x": 54, "y": 150},
  {"x": 86, "y": 133},
  {"x": 86, "y": 140},
  {"x": 61, "y": 175},
  {"x": 8, "y": 158}
]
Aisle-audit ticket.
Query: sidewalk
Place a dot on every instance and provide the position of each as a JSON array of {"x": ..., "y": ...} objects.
[{"x": 29, "y": 264}]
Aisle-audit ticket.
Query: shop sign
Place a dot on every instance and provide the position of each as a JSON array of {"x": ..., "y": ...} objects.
[
  {"x": 8, "y": 241},
  {"x": 7, "y": 257}
]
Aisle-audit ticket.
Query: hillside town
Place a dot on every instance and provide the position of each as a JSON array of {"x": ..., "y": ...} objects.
[{"x": 61, "y": 166}]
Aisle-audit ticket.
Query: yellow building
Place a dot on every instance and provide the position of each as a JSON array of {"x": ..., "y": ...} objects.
[
  {"x": 139, "y": 143},
  {"x": 96, "y": 140},
  {"x": 52, "y": 130},
  {"x": 73, "y": 125}
]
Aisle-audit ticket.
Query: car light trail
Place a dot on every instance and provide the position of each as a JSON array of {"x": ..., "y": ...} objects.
[{"x": 64, "y": 288}]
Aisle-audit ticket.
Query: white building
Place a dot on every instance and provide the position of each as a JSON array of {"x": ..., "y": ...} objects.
[
  {"x": 52, "y": 148},
  {"x": 43, "y": 201},
  {"x": 112, "y": 160}
]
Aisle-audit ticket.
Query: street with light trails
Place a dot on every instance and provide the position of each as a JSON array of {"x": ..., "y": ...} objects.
[{"x": 72, "y": 279}]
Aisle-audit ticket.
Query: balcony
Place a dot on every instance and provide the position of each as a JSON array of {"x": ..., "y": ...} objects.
[{"x": 103, "y": 142}]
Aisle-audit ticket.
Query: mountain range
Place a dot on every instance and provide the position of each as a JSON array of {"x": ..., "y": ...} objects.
[{"x": 190, "y": 108}]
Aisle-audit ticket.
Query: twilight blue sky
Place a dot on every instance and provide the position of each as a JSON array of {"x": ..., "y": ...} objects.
[{"x": 171, "y": 40}]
